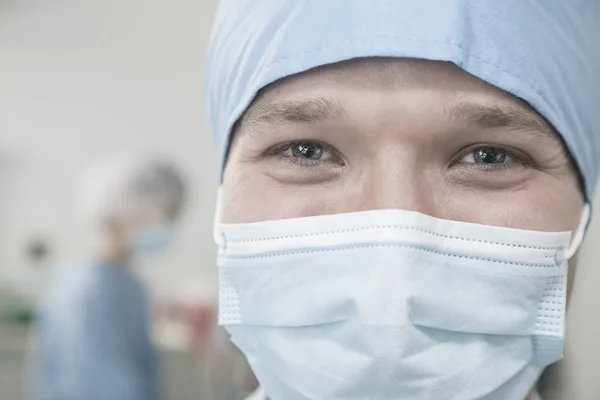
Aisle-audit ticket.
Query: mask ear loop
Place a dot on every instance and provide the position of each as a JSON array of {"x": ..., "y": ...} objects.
[
  {"x": 216, "y": 235},
  {"x": 580, "y": 233}
]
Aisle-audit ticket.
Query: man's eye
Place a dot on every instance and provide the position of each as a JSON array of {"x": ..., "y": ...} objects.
[
  {"x": 488, "y": 155},
  {"x": 309, "y": 151},
  {"x": 304, "y": 162}
]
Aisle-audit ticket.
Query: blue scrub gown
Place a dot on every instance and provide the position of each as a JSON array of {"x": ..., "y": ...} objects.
[{"x": 93, "y": 338}]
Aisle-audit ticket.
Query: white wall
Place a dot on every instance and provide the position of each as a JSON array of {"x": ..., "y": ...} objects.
[{"x": 81, "y": 78}]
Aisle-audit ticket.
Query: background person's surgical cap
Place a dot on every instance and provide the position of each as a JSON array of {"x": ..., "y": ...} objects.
[
  {"x": 116, "y": 189},
  {"x": 544, "y": 51}
]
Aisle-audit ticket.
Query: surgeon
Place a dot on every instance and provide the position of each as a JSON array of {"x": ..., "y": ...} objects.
[
  {"x": 405, "y": 185},
  {"x": 93, "y": 331}
]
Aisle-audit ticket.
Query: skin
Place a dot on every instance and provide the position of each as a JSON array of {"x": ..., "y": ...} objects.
[{"x": 398, "y": 134}]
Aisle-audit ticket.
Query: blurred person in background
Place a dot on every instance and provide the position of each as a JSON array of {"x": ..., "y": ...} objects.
[
  {"x": 93, "y": 331},
  {"x": 405, "y": 186}
]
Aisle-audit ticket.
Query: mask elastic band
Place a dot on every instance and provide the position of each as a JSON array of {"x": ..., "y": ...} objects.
[{"x": 579, "y": 234}]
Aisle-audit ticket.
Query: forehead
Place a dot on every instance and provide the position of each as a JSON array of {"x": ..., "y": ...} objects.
[{"x": 430, "y": 88}]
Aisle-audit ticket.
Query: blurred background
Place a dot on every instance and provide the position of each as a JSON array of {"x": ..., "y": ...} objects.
[{"x": 80, "y": 79}]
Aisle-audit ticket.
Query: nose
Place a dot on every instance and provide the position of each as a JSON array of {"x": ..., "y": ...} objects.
[{"x": 394, "y": 182}]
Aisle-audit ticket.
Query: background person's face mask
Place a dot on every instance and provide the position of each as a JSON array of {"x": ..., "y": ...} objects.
[
  {"x": 394, "y": 305},
  {"x": 151, "y": 240}
]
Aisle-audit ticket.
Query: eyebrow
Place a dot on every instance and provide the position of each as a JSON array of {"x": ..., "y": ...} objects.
[
  {"x": 483, "y": 116},
  {"x": 313, "y": 110},
  {"x": 503, "y": 117}
]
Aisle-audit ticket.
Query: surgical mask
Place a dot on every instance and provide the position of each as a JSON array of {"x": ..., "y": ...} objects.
[
  {"x": 152, "y": 240},
  {"x": 391, "y": 304}
]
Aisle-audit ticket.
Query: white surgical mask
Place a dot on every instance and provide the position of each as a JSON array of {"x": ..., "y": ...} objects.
[{"x": 392, "y": 304}]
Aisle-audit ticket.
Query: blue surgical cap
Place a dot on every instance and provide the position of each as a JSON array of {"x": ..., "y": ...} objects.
[{"x": 546, "y": 52}]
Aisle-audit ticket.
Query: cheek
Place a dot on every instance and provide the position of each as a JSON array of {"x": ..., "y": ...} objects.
[
  {"x": 544, "y": 204},
  {"x": 250, "y": 196}
]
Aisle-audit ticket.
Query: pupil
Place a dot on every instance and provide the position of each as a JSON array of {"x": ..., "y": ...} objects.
[
  {"x": 307, "y": 150},
  {"x": 489, "y": 155}
]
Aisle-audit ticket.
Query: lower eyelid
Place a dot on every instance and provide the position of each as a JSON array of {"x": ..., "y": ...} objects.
[{"x": 299, "y": 161}]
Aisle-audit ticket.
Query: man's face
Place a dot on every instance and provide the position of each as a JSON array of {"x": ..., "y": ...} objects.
[{"x": 398, "y": 134}]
